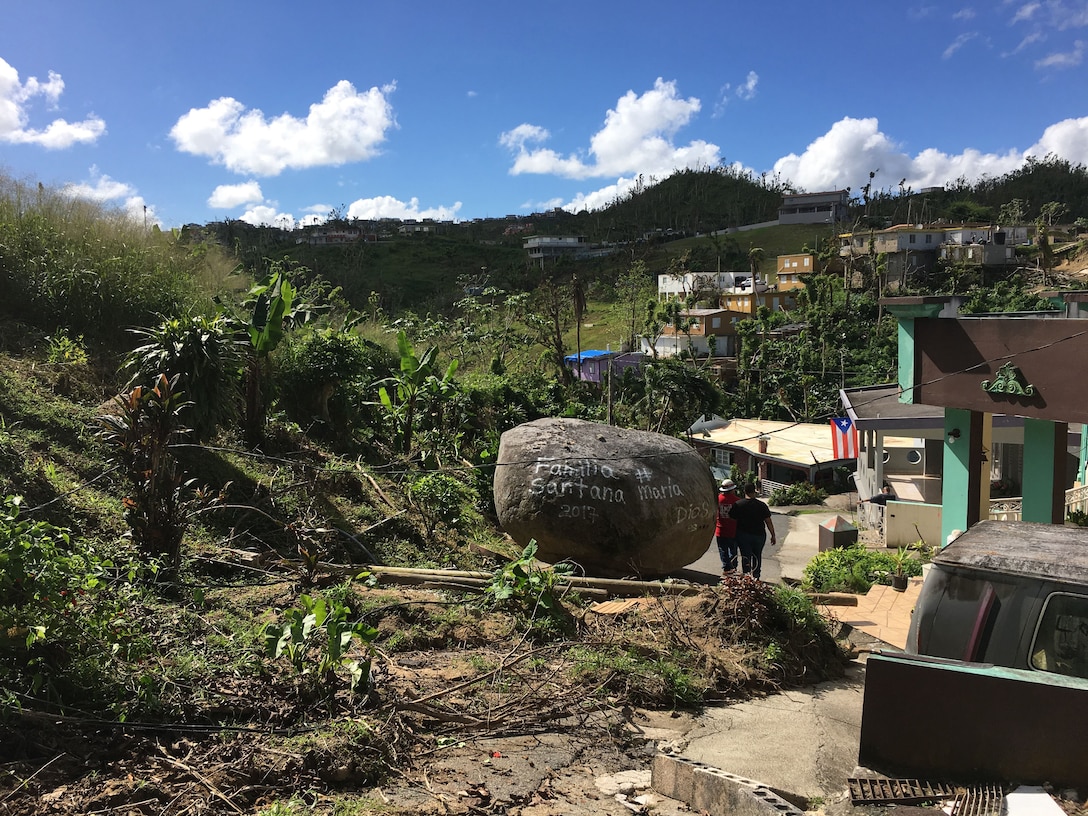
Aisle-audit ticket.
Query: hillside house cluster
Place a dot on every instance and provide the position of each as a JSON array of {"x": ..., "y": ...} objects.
[
  {"x": 726, "y": 297},
  {"x": 912, "y": 249},
  {"x": 723, "y": 298}
]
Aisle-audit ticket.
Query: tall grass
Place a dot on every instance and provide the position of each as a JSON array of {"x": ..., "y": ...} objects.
[{"x": 70, "y": 262}]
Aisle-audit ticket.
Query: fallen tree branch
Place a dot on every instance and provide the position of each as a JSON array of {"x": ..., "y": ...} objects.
[{"x": 202, "y": 780}]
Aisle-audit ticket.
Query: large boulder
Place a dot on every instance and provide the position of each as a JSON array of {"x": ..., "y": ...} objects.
[{"x": 616, "y": 501}]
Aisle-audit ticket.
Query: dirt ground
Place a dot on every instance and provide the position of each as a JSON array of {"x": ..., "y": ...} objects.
[
  {"x": 568, "y": 769},
  {"x": 489, "y": 721}
]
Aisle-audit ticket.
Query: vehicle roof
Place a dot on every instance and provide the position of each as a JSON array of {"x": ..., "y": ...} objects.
[{"x": 1049, "y": 551}]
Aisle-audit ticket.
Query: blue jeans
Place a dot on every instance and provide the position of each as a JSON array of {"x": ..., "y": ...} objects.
[
  {"x": 751, "y": 552},
  {"x": 727, "y": 549}
]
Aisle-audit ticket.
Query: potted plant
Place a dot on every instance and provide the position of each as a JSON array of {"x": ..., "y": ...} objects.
[{"x": 900, "y": 558}]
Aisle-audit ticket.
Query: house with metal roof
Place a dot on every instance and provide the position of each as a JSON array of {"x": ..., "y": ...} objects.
[{"x": 779, "y": 453}]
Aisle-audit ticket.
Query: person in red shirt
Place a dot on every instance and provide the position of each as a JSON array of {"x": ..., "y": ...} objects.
[{"x": 725, "y": 532}]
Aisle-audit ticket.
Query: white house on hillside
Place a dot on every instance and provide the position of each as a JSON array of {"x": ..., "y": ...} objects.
[
  {"x": 705, "y": 324},
  {"x": 705, "y": 285}
]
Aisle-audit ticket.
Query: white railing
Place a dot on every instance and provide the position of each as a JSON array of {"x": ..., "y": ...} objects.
[
  {"x": 1010, "y": 509},
  {"x": 1076, "y": 499},
  {"x": 767, "y": 487}
]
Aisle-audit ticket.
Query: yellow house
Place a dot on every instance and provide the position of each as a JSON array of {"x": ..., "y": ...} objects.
[
  {"x": 790, "y": 268},
  {"x": 747, "y": 303}
]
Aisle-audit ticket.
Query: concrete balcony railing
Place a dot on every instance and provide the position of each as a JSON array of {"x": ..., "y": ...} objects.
[{"x": 1012, "y": 508}]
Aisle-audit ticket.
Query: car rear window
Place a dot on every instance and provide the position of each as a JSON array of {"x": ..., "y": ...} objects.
[{"x": 1061, "y": 638}]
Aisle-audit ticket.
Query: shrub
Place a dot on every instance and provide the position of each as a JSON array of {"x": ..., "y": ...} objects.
[
  {"x": 438, "y": 498},
  {"x": 206, "y": 355},
  {"x": 326, "y": 376},
  {"x": 58, "y": 629},
  {"x": 140, "y": 435},
  {"x": 798, "y": 493},
  {"x": 854, "y": 569}
]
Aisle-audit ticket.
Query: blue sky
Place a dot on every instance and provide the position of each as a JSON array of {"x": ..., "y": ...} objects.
[{"x": 280, "y": 113}]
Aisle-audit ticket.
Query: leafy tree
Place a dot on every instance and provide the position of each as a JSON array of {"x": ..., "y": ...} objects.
[
  {"x": 550, "y": 315},
  {"x": 1013, "y": 212},
  {"x": 669, "y": 394},
  {"x": 969, "y": 211},
  {"x": 322, "y": 375},
  {"x": 1052, "y": 212},
  {"x": 653, "y": 322},
  {"x": 1004, "y": 296},
  {"x": 633, "y": 288},
  {"x": 1046, "y": 252}
]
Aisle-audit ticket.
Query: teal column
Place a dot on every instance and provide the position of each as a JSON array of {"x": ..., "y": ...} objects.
[
  {"x": 1044, "y": 471},
  {"x": 906, "y": 313},
  {"x": 906, "y": 359},
  {"x": 961, "y": 483},
  {"x": 1083, "y": 460}
]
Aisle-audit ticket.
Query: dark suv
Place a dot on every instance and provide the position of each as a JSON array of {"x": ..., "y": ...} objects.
[{"x": 1010, "y": 594}]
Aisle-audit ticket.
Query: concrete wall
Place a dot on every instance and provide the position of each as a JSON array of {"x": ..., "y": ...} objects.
[
  {"x": 904, "y": 521},
  {"x": 972, "y": 723}
]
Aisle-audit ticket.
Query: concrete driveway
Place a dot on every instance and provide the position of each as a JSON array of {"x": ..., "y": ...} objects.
[{"x": 802, "y": 743}]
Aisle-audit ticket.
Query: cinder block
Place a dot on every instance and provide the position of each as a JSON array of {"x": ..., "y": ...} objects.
[
  {"x": 719, "y": 793},
  {"x": 674, "y": 776}
]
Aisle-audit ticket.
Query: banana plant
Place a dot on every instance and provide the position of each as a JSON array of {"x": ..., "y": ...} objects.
[
  {"x": 403, "y": 394},
  {"x": 276, "y": 307}
]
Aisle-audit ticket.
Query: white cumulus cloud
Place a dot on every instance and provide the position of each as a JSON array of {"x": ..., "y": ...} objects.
[
  {"x": 389, "y": 207},
  {"x": 1067, "y": 139},
  {"x": 228, "y": 196},
  {"x": 264, "y": 215},
  {"x": 104, "y": 190},
  {"x": 852, "y": 148},
  {"x": 637, "y": 137},
  {"x": 15, "y": 100},
  {"x": 345, "y": 126}
]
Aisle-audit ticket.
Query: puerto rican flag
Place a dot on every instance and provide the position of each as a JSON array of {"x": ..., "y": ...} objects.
[{"x": 844, "y": 438}]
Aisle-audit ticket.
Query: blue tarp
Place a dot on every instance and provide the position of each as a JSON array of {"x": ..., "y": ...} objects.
[{"x": 589, "y": 354}]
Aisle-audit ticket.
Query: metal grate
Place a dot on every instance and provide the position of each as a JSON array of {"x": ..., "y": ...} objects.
[
  {"x": 985, "y": 800},
  {"x": 865, "y": 791}
]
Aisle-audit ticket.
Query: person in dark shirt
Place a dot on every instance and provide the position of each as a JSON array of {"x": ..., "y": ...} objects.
[
  {"x": 882, "y": 498},
  {"x": 753, "y": 525}
]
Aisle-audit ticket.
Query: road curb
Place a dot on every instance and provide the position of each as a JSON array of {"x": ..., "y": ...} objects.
[{"x": 719, "y": 793}]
